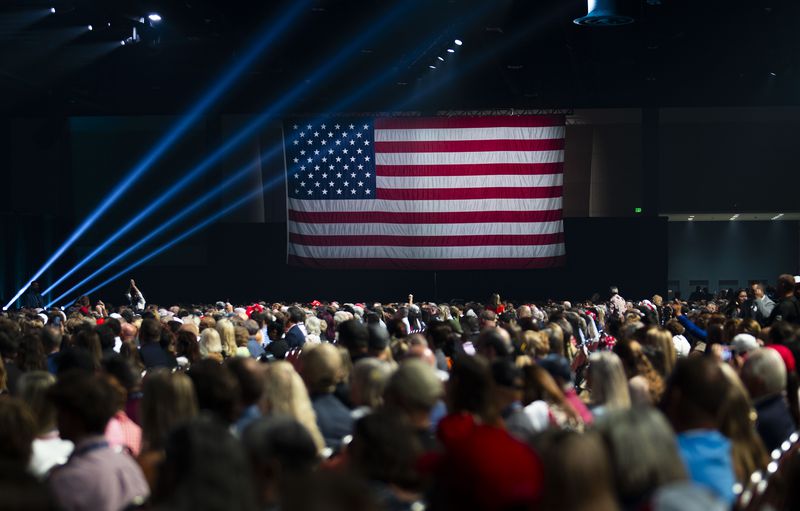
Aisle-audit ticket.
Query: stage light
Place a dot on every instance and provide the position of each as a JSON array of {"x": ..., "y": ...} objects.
[
  {"x": 432, "y": 66},
  {"x": 458, "y": 42},
  {"x": 238, "y": 138},
  {"x": 90, "y": 28},
  {"x": 52, "y": 10},
  {"x": 773, "y": 74},
  {"x": 269, "y": 34},
  {"x": 154, "y": 17},
  {"x": 440, "y": 58},
  {"x": 450, "y": 50}
]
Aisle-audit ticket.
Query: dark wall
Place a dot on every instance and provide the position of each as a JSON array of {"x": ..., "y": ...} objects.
[
  {"x": 734, "y": 252},
  {"x": 252, "y": 267}
]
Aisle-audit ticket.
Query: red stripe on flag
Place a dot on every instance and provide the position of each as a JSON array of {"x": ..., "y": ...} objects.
[
  {"x": 455, "y": 217},
  {"x": 429, "y": 264},
  {"x": 534, "y": 192},
  {"x": 470, "y": 146},
  {"x": 427, "y": 241},
  {"x": 498, "y": 121},
  {"x": 493, "y": 169}
]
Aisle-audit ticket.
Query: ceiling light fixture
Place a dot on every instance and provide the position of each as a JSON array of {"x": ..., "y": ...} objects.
[
  {"x": 52, "y": 10},
  {"x": 777, "y": 216},
  {"x": 440, "y": 58},
  {"x": 155, "y": 17},
  {"x": 450, "y": 50},
  {"x": 458, "y": 42},
  {"x": 734, "y": 217}
]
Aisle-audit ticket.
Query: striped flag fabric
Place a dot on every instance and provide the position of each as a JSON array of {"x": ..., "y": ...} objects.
[{"x": 413, "y": 193}]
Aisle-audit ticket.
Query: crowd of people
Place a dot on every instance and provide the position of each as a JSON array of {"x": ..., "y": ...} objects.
[{"x": 603, "y": 405}]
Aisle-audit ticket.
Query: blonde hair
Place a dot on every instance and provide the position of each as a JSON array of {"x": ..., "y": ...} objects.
[
  {"x": 286, "y": 394},
  {"x": 227, "y": 334},
  {"x": 209, "y": 342},
  {"x": 609, "y": 385}
]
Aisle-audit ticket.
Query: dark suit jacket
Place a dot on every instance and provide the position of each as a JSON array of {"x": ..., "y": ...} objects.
[
  {"x": 333, "y": 419},
  {"x": 295, "y": 337},
  {"x": 153, "y": 355},
  {"x": 774, "y": 422}
]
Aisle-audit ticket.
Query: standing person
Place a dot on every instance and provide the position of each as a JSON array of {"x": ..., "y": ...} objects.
[
  {"x": 616, "y": 304},
  {"x": 762, "y": 304},
  {"x": 135, "y": 297},
  {"x": 33, "y": 299},
  {"x": 788, "y": 306}
]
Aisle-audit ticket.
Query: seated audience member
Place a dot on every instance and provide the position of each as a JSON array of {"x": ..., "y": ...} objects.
[
  {"x": 559, "y": 369},
  {"x": 544, "y": 401},
  {"x": 385, "y": 452},
  {"x": 217, "y": 390},
  {"x": 494, "y": 343},
  {"x": 607, "y": 384},
  {"x": 251, "y": 385},
  {"x": 354, "y": 337},
  {"x": 313, "y": 329},
  {"x": 508, "y": 394},
  {"x": 187, "y": 481},
  {"x": 693, "y": 404},
  {"x": 49, "y": 449},
  {"x": 295, "y": 336},
  {"x": 579, "y": 476},
  {"x": 17, "y": 433},
  {"x": 414, "y": 391},
  {"x": 283, "y": 458},
  {"x": 645, "y": 384},
  {"x": 210, "y": 345},
  {"x": 253, "y": 345},
  {"x": 96, "y": 476},
  {"x": 285, "y": 394},
  {"x": 321, "y": 372},
  {"x": 151, "y": 351},
  {"x": 736, "y": 423},
  {"x": 169, "y": 401},
  {"x": 367, "y": 383},
  {"x": 764, "y": 376}
]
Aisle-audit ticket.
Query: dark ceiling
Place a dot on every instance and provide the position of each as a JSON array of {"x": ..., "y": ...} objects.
[{"x": 516, "y": 54}]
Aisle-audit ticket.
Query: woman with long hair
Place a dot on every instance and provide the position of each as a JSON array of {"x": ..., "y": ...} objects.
[
  {"x": 645, "y": 384},
  {"x": 607, "y": 383},
  {"x": 227, "y": 334},
  {"x": 286, "y": 394},
  {"x": 545, "y": 403}
]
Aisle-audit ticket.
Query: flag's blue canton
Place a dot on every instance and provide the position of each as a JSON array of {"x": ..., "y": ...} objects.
[{"x": 332, "y": 159}]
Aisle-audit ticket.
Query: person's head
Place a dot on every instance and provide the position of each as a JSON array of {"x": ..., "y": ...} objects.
[
  {"x": 579, "y": 475},
  {"x": 643, "y": 452},
  {"x": 188, "y": 480},
  {"x": 210, "y": 343},
  {"x": 150, "y": 331},
  {"x": 660, "y": 340},
  {"x": 128, "y": 331},
  {"x": 282, "y": 457},
  {"x": 607, "y": 381},
  {"x": 296, "y": 315},
  {"x": 367, "y": 382},
  {"x": 186, "y": 345},
  {"x": 758, "y": 290},
  {"x": 488, "y": 319},
  {"x": 385, "y": 449},
  {"x": 321, "y": 369},
  {"x": 51, "y": 339},
  {"x": 692, "y": 398},
  {"x": 32, "y": 389},
  {"x": 250, "y": 377},
  {"x": 764, "y": 373},
  {"x": 169, "y": 400},
  {"x": 414, "y": 389},
  {"x": 84, "y": 402},
  {"x": 35, "y": 286},
  {"x": 227, "y": 335},
  {"x": 741, "y": 296},
  {"x": 785, "y": 286},
  {"x": 17, "y": 431},
  {"x": 354, "y": 336},
  {"x": 494, "y": 343},
  {"x": 470, "y": 388},
  {"x": 217, "y": 390},
  {"x": 286, "y": 394},
  {"x": 242, "y": 336}
]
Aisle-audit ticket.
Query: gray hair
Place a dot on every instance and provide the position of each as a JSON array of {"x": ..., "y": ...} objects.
[{"x": 767, "y": 365}]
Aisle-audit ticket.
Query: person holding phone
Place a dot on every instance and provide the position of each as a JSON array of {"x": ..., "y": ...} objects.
[{"x": 135, "y": 297}]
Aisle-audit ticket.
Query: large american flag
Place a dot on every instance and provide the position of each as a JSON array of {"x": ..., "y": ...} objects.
[{"x": 426, "y": 193}]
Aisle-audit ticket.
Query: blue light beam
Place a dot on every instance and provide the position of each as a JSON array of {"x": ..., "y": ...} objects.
[
  {"x": 219, "y": 214},
  {"x": 240, "y": 137},
  {"x": 272, "y": 32}
]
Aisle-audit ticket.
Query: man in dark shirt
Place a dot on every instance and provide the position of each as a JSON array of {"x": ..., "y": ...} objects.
[
  {"x": 764, "y": 375},
  {"x": 321, "y": 369},
  {"x": 788, "y": 306},
  {"x": 33, "y": 299},
  {"x": 295, "y": 337},
  {"x": 151, "y": 352}
]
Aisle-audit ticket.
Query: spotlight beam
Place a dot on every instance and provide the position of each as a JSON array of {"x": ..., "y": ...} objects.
[
  {"x": 341, "y": 105},
  {"x": 272, "y": 32},
  {"x": 250, "y": 129},
  {"x": 219, "y": 214}
]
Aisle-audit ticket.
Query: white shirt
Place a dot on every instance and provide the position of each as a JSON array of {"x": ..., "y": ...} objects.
[{"x": 49, "y": 451}]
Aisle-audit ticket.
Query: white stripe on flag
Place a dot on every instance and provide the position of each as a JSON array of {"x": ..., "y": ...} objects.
[
  {"x": 476, "y": 229},
  {"x": 424, "y": 206},
  {"x": 393, "y": 252},
  {"x": 462, "y": 158},
  {"x": 441, "y": 135},
  {"x": 513, "y": 181}
]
